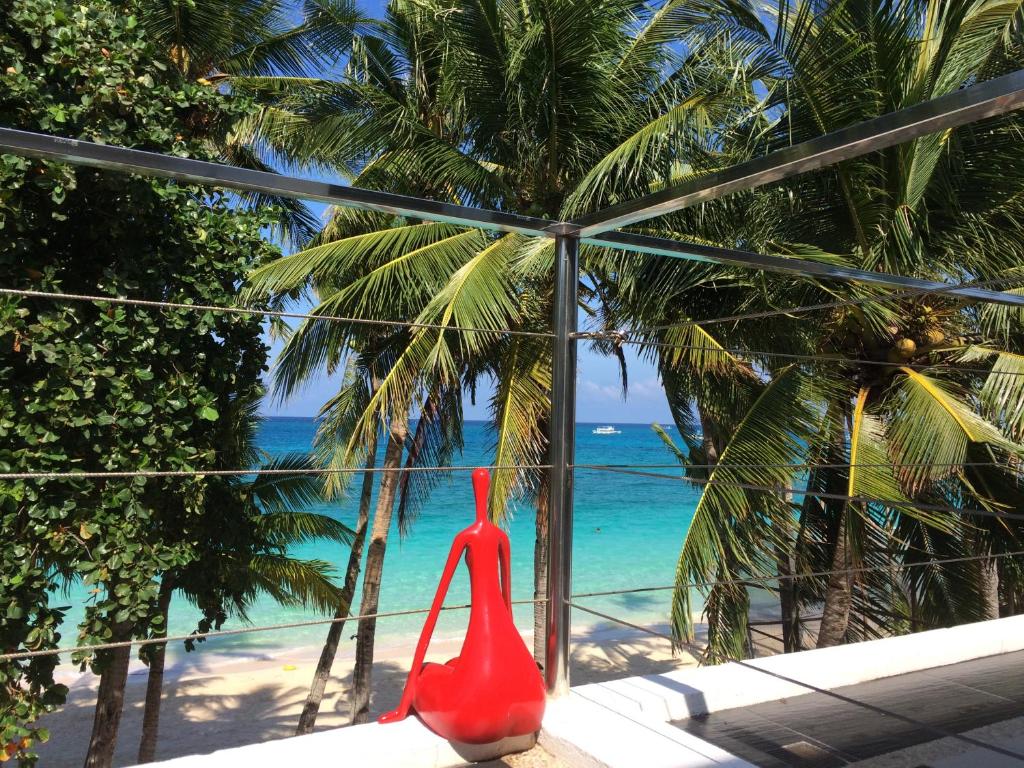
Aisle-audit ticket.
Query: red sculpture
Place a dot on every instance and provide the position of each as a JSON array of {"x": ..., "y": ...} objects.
[{"x": 492, "y": 689}]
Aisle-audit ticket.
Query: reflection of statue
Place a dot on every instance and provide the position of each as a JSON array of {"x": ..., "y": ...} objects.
[{"x": 493, "y": 689}]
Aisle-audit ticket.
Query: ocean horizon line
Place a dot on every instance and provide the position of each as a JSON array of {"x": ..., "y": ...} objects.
[{"x": 487, "y": 421}]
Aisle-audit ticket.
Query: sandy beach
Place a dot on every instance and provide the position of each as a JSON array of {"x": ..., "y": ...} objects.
[{"x": 212, "y": 700}]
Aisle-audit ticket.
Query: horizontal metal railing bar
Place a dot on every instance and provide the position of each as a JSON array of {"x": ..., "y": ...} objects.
[
  {"x": 738, "y": 352},
  {"x": 192, "y": 171},
  {"x": 123, "y": 300},
  {"x": 121, "y": 159},
  {"x": 659, "y": 246},
  {"x": 697, "y": 651},
  {"x": 893, "y": 503},
  {"x": 987, "y": 99},
  {"x": 227, "y": 632},
  {"x": 755, "y": 580},
  {"x": 116, "y": 474},
  {"x": 159, "y": 473},
  {"x": 802, "y": 308}
]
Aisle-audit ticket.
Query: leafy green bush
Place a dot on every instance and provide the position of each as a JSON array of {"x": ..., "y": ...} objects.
[{"x": 98, "y": 386}]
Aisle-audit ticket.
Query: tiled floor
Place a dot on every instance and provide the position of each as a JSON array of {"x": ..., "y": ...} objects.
[{"x": 819, "y": 730}]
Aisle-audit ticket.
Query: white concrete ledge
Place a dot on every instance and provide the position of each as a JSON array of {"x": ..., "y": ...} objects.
[
  {"x": 625, "y": 723},
  {"x": 406, "y": 744},
  {"x": 688, "y": 692},
  {"x": 586, "y": 734}
]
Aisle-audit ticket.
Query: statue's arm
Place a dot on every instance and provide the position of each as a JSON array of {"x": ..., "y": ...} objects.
[{"x": 428, "y": 630}]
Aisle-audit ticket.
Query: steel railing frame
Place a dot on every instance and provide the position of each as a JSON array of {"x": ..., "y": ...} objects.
[{"x": 993, "y": 97}]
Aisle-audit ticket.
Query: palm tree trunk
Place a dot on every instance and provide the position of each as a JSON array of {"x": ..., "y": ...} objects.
[
  {"x": 355, "y": 558},
  {"x": 540, "y": 570},
  {"x": 835, "y": 617},
  {"x": 988, "y": 576},
  {"x": 360, "y": 698},
  {"x": 707, "y": 437},
  {"x": 110, "y": 701},
  {"x": 791, "y": 640},
  {"x": 155, "y": 679}
]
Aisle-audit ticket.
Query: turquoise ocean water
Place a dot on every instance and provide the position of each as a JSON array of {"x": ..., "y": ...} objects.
[{"x": 627, "y": 533}]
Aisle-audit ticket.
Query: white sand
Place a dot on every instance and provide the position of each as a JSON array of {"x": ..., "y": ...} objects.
[{"x": 215, "y": 701}]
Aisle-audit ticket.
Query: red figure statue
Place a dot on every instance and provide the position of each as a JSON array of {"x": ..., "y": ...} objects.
[{"x": 493, "y": 689}]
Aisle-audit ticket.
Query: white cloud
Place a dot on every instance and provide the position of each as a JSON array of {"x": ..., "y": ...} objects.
[
  {"x": 646, "y": 388},
  {"x": 603, "y": 391}
]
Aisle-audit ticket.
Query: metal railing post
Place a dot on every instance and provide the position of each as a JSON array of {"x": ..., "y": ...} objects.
[{"x": 562, "y": 451}]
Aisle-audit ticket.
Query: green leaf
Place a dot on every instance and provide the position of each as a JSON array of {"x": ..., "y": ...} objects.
[{"x": 209, "y": 413}]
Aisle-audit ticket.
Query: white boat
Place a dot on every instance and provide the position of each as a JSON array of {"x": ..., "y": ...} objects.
[{"x": 606, "y": 431}]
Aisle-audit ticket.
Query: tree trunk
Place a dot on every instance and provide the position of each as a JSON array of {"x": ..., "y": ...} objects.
[
  {"x": 155, "y": 679},
  {"x": 988, "y": 577},
  {"x": 540, "y": 570},
  {"x": 791, "y": 640},
  {"x": 355, "y": 558},
  {"x": 360, "y": 698},
  {"x": 110, "y": 701},
  {"x": 707, "y": 438},
  {"x": 839, "y": 596}
]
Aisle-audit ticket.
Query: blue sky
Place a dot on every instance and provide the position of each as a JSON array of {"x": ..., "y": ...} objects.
[{"x": 599, "y": 394}]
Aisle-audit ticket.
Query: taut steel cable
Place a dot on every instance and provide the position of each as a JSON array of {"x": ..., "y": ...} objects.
[
  {"x": 317, "y": 622},
  {"x": 794, "y": 576},
  {"x": 802, "y": 308},
  {"x": 807, "y": 358},
  {"x": 261, "y": 312},
  {"x": 894, "y": 503},
  {"x": 226, "y": 632},
  {"x": 805, "y": 465},
  {"x": 168, "y": 473},
  {"x": 115, "y": 474}
]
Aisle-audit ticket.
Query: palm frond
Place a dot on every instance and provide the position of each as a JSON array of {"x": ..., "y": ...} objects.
[
  {"x": 734, "y": 530},
  {"x": 931, "y": 427}
]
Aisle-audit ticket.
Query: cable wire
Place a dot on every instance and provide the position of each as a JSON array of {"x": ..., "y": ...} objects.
[
  {"x": 821, "y": 495},
  {"x": 838, "y": 303},
  {"x": 159, "y": 473},
  {"x": 806, "y": 357},
  {"x": 73, "y": 475},
  {"x": 262, "y": 312},
  {"x": 318, "y": 622},
  {"x": 747, "y": 580},
  {"x": 806, "y": 465},
  {"x": 226, "y": 632}
]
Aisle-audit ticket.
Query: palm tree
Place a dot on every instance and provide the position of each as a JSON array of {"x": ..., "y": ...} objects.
[
  {"x": 336, "y": 419},
  {"x": 555, "y": 108},
  {"x": 474, "y": 102},
  {"x": 211, "y": 41},
  {"x": 918, "y": 390},
  {"x": 251, "y": 525}
]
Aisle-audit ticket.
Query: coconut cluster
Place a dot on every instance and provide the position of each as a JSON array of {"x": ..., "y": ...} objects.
[{"x": 922, "y": 332}]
